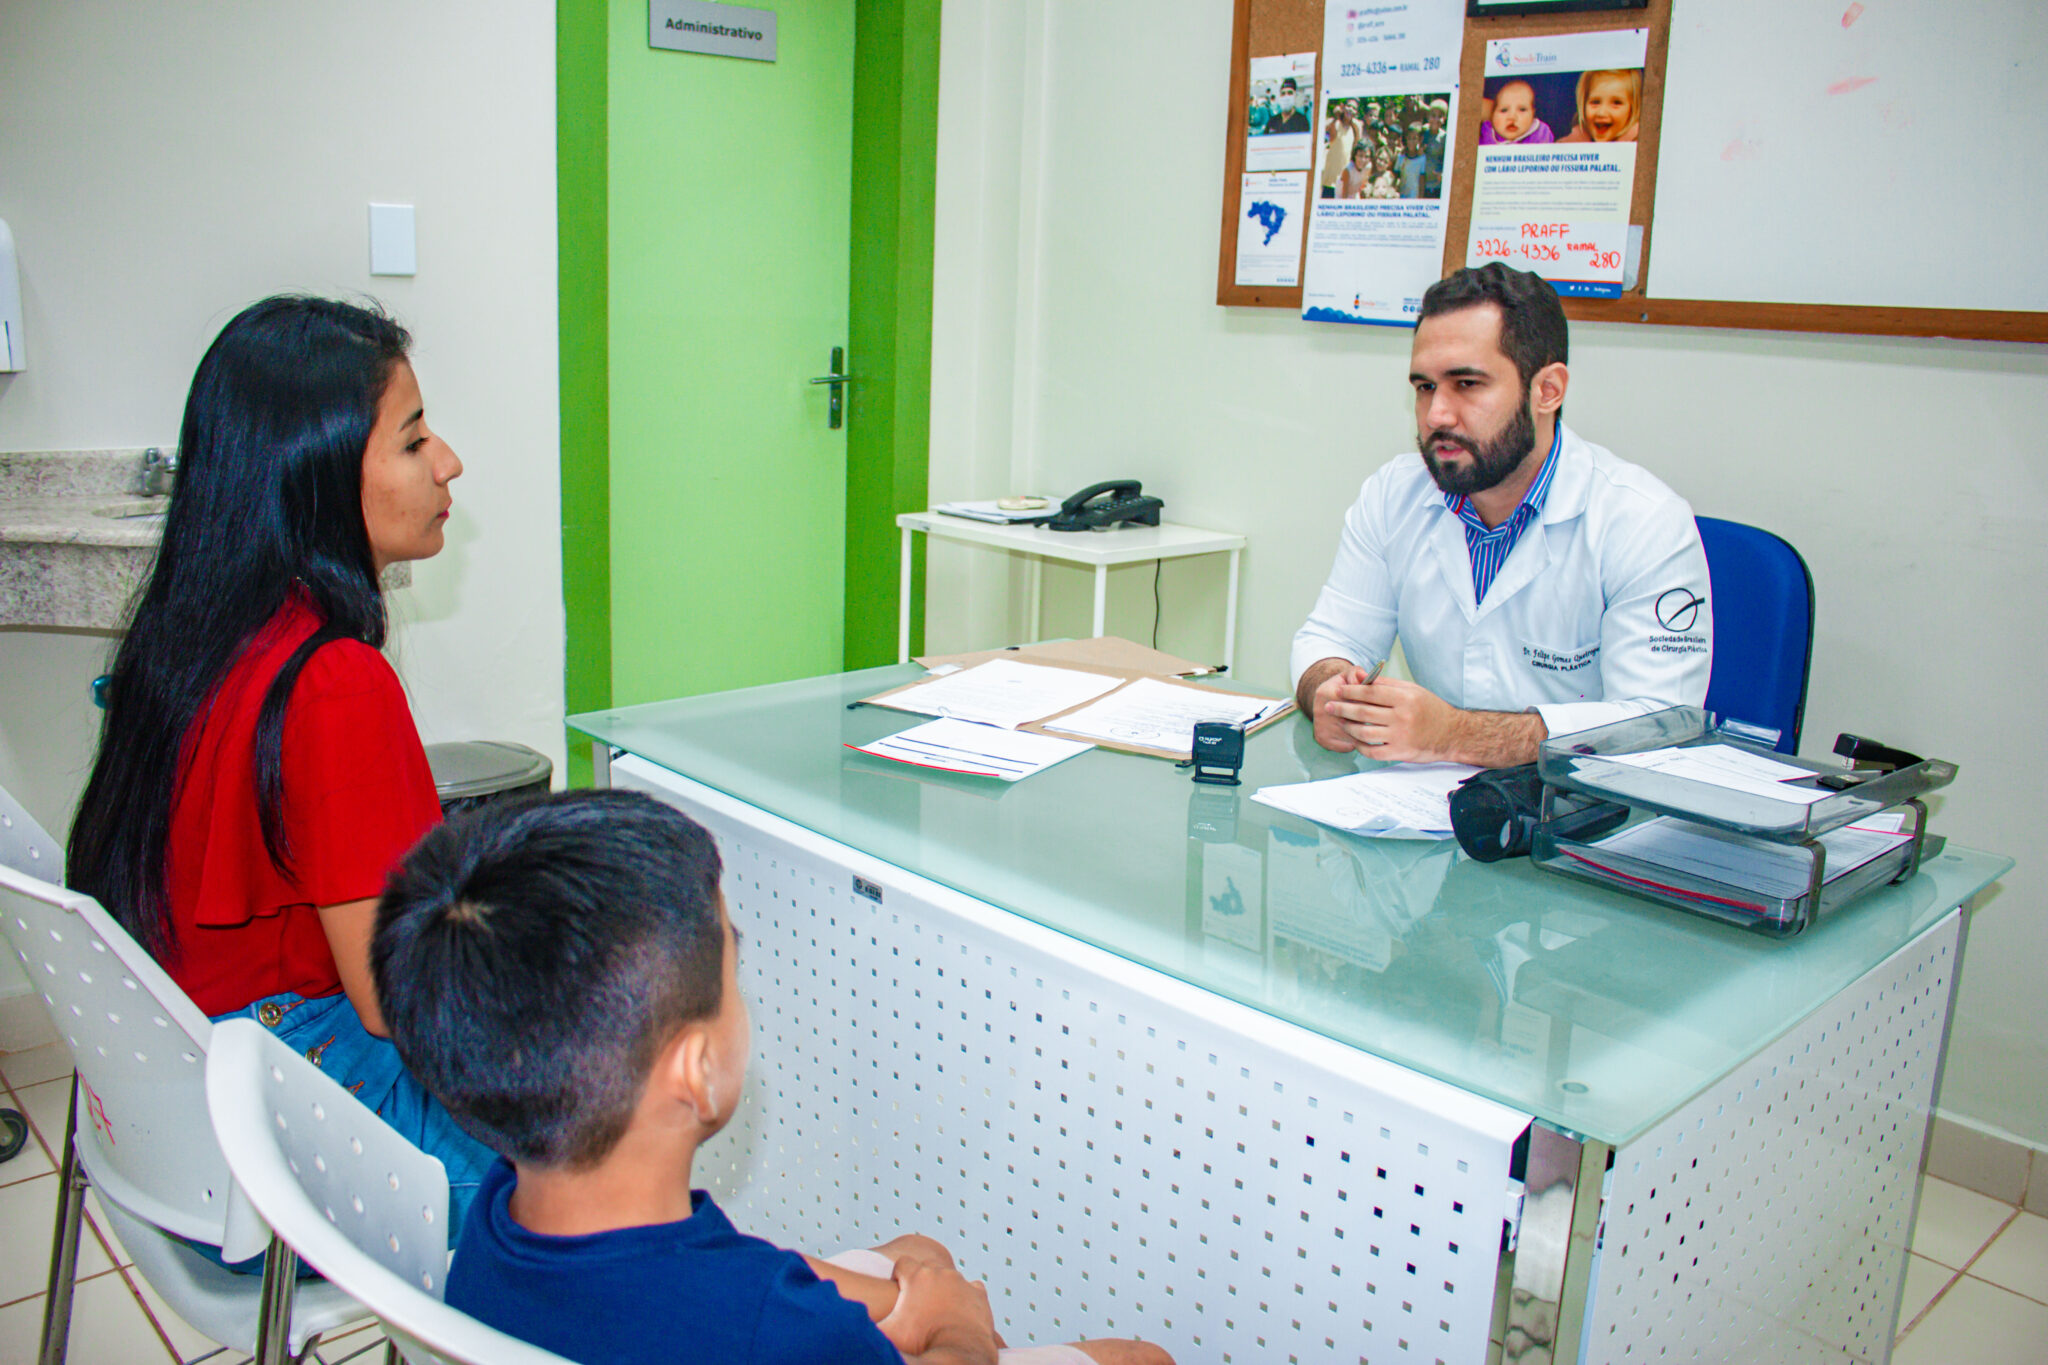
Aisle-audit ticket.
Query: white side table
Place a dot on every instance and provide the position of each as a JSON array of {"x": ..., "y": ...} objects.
[{"x": 1123, "y": 545}]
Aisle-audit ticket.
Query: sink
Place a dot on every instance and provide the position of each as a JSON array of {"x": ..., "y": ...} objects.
[
  {"x": 133, "y": 509},
  {"x": 76, "y": 539}
]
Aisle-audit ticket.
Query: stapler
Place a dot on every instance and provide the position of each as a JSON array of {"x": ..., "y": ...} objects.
[{"x": 1867, "y": 759}]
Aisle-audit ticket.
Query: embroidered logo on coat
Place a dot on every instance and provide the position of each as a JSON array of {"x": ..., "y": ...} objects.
[{"x": 1679, "y": 609}]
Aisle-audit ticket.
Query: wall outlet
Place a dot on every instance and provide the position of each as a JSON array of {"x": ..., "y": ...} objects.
[{"x": 13, "y": 356}]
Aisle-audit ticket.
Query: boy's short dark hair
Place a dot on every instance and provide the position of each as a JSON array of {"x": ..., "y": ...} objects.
[
  {"x": 1533, "y": 332},
  {"x": 533, "y": 957}
]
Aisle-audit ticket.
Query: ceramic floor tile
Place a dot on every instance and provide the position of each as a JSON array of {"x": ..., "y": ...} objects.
[
  {"x": 189, "y": 1341},
  {"x": 1980, "y": 1324},
  {"x": 1955, "y": 1223},
  {"x": 2037, "y": 1187},
  {"x": 28, "y": 1213},
  {"x": 1924, "y": 1280},
  {"x": 2018, "y": 1260},
  {"x": 48, "y": 1106},
  {"x": 36, "y": 1065},
  {"x": 108, "y": 1327},
  {"x": 358, "y": 1345}
]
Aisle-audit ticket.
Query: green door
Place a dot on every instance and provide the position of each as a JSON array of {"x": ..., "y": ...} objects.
[{"x": 728, "y": 244}]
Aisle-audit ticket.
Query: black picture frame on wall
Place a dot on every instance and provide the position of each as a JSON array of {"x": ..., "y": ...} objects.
[{"x": 1488, "y": 9}]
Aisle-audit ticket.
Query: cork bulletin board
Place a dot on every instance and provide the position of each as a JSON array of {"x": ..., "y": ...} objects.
[{"x": 1266, "y": 28}]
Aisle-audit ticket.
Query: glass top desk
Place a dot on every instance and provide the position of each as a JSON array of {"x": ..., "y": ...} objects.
[{"x": 1619, "y": 1024}]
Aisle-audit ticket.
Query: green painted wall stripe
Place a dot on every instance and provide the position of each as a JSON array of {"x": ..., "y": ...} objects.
[
  {"x": 583, "y": 285},
  {"x": 895, "y": 171}
]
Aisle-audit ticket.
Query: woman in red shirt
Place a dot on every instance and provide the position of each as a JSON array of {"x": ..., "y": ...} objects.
[{"x": 259, "y": 773}]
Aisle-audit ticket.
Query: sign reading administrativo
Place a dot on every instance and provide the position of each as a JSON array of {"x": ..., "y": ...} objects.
[{"x": 703, "y": 26}]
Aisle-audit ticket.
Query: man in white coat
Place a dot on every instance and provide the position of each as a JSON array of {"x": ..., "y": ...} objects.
[{"x": 1539, "y": 584}]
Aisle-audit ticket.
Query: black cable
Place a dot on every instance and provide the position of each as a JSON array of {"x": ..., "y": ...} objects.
[{"x": 1157, "y": 565}]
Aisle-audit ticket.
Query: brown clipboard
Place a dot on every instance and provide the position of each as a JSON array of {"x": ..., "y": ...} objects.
[{"x": 1101, "y": 647}]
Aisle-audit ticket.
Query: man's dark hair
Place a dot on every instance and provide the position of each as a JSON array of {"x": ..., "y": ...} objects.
[
  {"x": 532, "y": 959},
  {"x": 1532, "y": 326}
]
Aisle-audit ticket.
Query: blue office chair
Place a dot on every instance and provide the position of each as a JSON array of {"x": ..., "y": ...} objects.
[{"x": 1763, "y": 628}]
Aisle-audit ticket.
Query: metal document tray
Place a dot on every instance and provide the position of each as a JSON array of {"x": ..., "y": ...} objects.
[{"x": 1572, "y": 776}]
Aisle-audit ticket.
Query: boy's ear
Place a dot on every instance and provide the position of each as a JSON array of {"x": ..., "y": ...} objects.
[{"x": 685, "y": 1070}]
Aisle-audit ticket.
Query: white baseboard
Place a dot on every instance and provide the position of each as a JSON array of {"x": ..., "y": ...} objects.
[{"x": 1990, "y": 1161}]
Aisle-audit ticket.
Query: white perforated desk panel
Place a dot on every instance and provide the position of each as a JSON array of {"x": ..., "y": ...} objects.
[
  {"x": 1113, "y": 1151},
  {"x": 1768, "y": 1219}
]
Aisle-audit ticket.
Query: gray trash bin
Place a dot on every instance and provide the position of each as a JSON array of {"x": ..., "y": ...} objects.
[{"x": 474, "y": 772}]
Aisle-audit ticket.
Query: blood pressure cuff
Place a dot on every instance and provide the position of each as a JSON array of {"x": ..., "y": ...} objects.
[{"x": 1494, "y": 813}]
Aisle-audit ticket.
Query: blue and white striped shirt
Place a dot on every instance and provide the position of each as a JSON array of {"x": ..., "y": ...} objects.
[{"x": 1491, "y": 545}]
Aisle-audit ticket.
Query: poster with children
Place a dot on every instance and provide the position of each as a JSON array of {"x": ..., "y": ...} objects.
[
  {"x": 1384, "y": 139},
  {"x": 1557, "y": 128}
]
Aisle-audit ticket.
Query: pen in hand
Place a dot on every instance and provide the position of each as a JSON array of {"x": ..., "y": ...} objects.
[{"x": 1374, "y": 676}]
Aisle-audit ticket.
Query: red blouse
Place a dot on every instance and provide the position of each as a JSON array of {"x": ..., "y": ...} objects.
[{"x": 357, "y": 795}]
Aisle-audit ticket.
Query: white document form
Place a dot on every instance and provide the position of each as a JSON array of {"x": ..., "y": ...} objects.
[
  {"x": 1402, "y": 800},
  {"x": 1157, "y": 715},
  {"x": 959, "y": 746},
  {"x": 1003, "y": 692},
  {"x": 1724, "y": 765},
  {"x": 1773, "y": 869}
]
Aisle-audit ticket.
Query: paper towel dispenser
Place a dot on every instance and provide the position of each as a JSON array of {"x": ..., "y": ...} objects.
[{"x": 12, "y": 353}]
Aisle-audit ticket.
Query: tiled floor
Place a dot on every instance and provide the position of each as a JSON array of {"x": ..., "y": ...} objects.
[{"x": 1976, "y": 1284}]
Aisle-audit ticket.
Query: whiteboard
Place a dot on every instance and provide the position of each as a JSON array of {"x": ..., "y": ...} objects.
[{"x": 1890, "y": 153}]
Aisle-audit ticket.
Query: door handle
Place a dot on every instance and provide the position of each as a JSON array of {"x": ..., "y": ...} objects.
[{"x": 838, "y": 379}]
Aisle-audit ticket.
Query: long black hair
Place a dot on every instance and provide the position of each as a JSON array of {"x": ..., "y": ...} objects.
[{"x": 269, "y": 498}]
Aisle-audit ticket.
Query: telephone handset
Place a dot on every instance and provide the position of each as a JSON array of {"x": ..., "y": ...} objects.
[{"x": 1102, "y": 505}]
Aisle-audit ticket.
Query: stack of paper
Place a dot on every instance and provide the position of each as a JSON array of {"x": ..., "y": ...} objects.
[
  {"x": 1758, "y": 865},
  {"x": 1151, "y": 714},
  {"x": 1003, "y": 693},
  {"x": 958, "y": 746},
  {"x": 1399, "y": 801},
  {"x": 1719, "y": 765},
  {"x": 1158, "y": 715},
  {"x": 988, "y": 511}
]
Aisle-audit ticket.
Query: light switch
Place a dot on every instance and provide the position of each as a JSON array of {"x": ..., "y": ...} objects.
[{"x": 393, "y": 249}]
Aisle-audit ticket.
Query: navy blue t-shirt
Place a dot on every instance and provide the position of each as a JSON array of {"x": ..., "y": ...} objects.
[{"x": 697, "y": 1290}]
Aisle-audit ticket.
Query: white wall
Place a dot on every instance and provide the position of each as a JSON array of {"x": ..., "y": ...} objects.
[
  {"x": 162, "y": 165},
  {"x": 1077, "y": 338}
]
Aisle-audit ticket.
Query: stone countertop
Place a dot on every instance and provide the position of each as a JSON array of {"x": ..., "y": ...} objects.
[
  {"x": 124, "y": 521},
  {"x": 77, "y": 539},
  {"x": 66, "y": 558},
  {"x": 77, "y": 497}
]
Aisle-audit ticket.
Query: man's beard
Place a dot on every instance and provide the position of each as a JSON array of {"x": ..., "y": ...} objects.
[{"x": 1491, "y": 463}]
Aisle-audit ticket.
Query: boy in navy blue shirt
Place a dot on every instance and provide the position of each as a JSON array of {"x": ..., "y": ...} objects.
[{"x": 561, "y": 975}]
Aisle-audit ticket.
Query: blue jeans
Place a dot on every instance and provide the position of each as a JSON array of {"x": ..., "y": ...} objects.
[{"x": 329, "y": 1033}]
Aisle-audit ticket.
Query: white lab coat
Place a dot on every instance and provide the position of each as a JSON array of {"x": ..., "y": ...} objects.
[{"x": 1599, "y": 613}]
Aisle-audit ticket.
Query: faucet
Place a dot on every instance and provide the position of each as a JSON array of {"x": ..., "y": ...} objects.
[{"x": 159, "y": 472}]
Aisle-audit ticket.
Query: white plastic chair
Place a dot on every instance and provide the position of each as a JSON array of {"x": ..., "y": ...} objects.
[
  {"x": 343, "y": 1190},
  {"x": 138, "y": 1045}
]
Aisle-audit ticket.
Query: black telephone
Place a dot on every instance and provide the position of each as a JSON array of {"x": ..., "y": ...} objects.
[{"x": 1102, "y": 505}]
